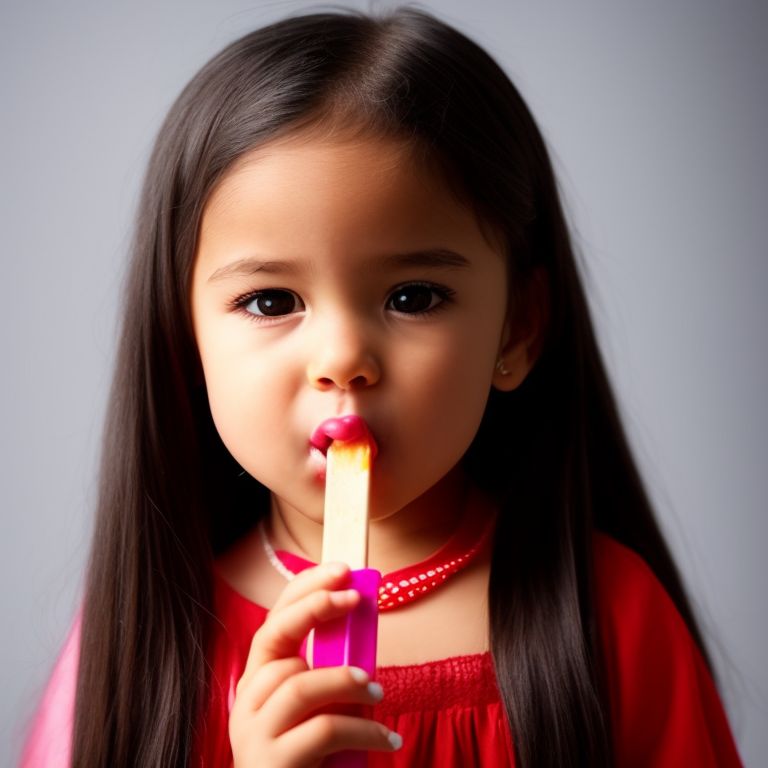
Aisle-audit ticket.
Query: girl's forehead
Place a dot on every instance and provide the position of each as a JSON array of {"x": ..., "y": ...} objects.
[
  {"x": 336, "y": 178},
  {"x": 314, "y": 152},
  {"x": 309, "y": 194}
]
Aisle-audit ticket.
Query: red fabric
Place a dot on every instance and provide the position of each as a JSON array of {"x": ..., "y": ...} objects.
[
  {"x": 665, "y": 710},
  {"x": 664, "y": 707}
]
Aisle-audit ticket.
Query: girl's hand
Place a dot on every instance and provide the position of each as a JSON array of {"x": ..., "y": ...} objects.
[{"x": 275, "y": 719}]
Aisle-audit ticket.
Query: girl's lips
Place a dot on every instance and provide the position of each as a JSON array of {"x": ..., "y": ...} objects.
[{"x": 345, "y": 428}]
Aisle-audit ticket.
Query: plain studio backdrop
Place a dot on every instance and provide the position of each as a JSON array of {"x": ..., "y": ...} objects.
[{"x": 656, "y": 114}]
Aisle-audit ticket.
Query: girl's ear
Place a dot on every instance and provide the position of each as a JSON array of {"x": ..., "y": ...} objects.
[{"x": 524, "y": 333}]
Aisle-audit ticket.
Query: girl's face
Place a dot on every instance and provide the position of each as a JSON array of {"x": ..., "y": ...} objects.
[{"x": 338, "y": 277}]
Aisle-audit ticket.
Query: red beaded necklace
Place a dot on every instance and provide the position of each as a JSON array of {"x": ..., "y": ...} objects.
[{"x": 405, "y": 585}]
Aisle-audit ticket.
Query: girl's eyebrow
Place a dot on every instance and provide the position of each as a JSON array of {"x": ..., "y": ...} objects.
[
  {"x": 441, "y": 258},
  {"x": 250, "y": 266},
  {"x": 435, "y": 258}
]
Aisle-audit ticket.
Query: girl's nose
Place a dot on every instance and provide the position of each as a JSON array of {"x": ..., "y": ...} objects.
[{"x": 342, "y": 358}]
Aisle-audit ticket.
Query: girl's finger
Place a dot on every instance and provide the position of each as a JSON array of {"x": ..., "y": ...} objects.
[
  {"x": 325, "y": 734},
  {"x": 282, "y": 634},
  {"x": 252, "y": 692},
  {"x": 325, "y": 576},
  {"x": 304, "y": 693}
]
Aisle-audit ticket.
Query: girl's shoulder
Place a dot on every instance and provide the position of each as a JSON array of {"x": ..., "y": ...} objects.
[
  {"x": 637, "y": 619},
  {"x": 640, "y": 628},
  {"x": 621, "y": 574},
  {"x": 49, "y": 737},
  {"x": 665, "y": 707}
]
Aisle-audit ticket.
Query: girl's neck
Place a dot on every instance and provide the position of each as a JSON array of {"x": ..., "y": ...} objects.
[{"x": 409, "y": 536}]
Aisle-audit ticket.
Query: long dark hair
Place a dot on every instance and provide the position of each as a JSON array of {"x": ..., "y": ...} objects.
[{"x": 172, "y": 497}]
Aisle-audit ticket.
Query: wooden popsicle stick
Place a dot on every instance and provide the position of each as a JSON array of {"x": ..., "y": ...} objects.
[{"x": 345, "y": 524}]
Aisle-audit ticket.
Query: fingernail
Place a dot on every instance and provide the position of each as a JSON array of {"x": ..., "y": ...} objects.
[
  {"x": 375, "y": 691},
  {"x": 358, "y": 675},
  {"x": 395, "y": 740},
  {"x": 343, "y": 597}
]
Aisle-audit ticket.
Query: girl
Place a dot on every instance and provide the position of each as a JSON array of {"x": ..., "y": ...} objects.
[{"x": 348, "y": 216}]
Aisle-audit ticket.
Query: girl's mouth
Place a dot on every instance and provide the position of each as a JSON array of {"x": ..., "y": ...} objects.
[{"x": 350, "y": 428}]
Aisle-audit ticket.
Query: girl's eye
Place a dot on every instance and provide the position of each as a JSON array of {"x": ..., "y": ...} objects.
[
  {"x": 417, "y": 298},
  {"x": 272, "y": 303}
]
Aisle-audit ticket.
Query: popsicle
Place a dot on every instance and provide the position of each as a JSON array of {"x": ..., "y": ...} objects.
[{"x": 350, "y": 640}]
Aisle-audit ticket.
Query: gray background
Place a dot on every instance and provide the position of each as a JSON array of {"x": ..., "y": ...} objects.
[{"x": 657, "y": 115}]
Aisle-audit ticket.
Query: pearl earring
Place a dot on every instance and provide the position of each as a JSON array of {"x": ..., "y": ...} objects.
[{"x": 501, "y": 368}]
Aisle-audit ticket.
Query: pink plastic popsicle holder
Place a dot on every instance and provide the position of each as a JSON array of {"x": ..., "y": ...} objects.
[{"x": 351, "y": 641}]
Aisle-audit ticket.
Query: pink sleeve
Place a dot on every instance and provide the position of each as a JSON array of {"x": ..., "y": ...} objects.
[{"x": 49, "y": 740}]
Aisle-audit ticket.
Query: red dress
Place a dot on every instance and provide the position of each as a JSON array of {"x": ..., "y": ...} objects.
[{"x": 664, "y": 707}]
